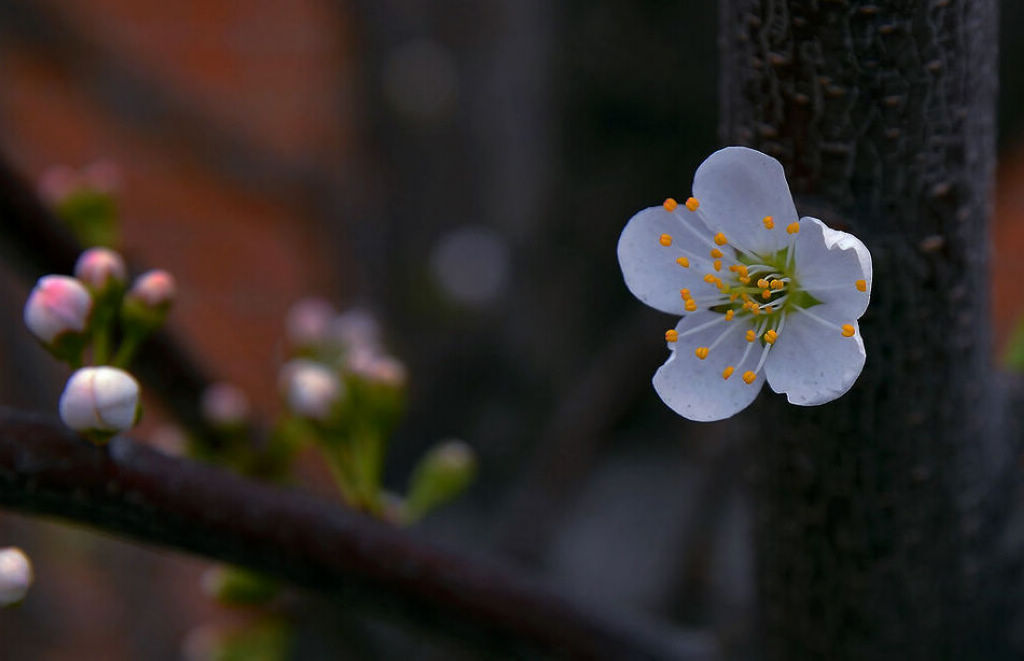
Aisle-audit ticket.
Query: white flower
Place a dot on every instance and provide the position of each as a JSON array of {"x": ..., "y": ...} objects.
[
  {"x": 15, "y": 575},
  {"x": 765, "y": 294},
  {"x": 100, "y": 399},
  {"x": 57, "y": 305}
]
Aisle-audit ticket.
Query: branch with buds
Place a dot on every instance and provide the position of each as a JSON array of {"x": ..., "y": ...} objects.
[{"x": 127, "y": 488}]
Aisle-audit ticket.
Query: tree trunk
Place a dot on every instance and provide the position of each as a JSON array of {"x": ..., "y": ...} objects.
[{"x": 876, "y": 512}]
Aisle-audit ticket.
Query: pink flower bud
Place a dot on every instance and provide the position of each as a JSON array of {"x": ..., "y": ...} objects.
[
  {"x": 57, "y": 182},
  {"x": 100, "y": 399},
  {"x": 310, "y": 389},
  {"x": 376, "y": 367},
  {"x": 58, "y": 304},
  {"x": 154, "y": 288},
  {"x": 100, "y": 267},
  {"x": 308, "y": 321},
  {"x": 225, "y": 405},
  {"x": 15, "y": 575}
]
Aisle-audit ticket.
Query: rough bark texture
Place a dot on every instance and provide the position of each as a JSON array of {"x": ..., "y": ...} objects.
[{"x": 875, "y": 511}]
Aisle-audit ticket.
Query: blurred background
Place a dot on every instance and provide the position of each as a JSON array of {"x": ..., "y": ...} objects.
[{"x": 462, "y": 170}]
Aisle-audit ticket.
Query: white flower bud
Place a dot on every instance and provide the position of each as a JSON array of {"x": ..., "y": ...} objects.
[
  {"x": 224, "y": 405},
  {"x": 310, "y": 389},
  {"x": 154, "y": 288},
  {"x": 15, "y": 575},
  {"x": 100, "y": 399},
  {"x": 308, "y": 322},
  {"x": 100, "y": 267},
  {"x": 58, "y": 304}
]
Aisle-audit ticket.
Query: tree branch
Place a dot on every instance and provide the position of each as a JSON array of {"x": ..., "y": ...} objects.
[{"x": 129, "y": 489}]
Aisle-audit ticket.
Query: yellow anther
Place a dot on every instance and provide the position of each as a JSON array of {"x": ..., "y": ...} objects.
[
  {"x": 684, "y": 262},
  {"x": 701, "y": 352},
  {"x": 691, "y": 305},
  {"x": 671, "y": 335},
  {"x": 862, "y": 285},
  {"x": 717, "y": 264},
  {"x": 766, "y": 294},
  {"x": 710, "y": 278},
  {"x": 670, "y": 204},
  {"x": 720, "y": 239},
  {"x": 768, "y": 310},
  {"x": 729, "y": 314},
  {"x": 692, "y": 203},
  {"x": 848, "y": 330},
  {"x": 756, "y": 310},
  {"x": 793, "y": 228},
  {"x": 769, "y": 222},
  {"x": 751, "y": 335},
  {"x": 717, "y": 254},
  {"x": 742, "y": 270},
  {"x": 727, "y": 372},
  {"x": 748, "y": 377},
  {"x": 770, "y": 336},
  {"x": 762, "y": 283},
  {"x": 744, "y": 279},
  {"x": 776, "y": 284},
  {"x": 665, "y": 240},
  {"x": 733, "y": 297},
  {"x": 684, "y": 293}
]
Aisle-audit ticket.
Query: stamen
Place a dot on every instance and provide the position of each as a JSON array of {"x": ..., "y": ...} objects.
[
  {"x": 684, "y": 293},
  {"x": 684, "y": 262},
  {"x": 748, "y": 377},
  {"x": 770, "y": 336},
  {"x": 671, "y": 335},
  {"x": 766, "y": 294},
  {"x": 692, "y": 203},
  {"x": 751, "y": 335},
  {"x": 769, "y": 222},
  {"x": 793, "y": 228},
  {"x": 848, "y": 330},
  {"x": 717, "y": 264},
  {"x": 710, "y": 278},
  {"x": 776, "y": 284},
  {"x": 701, "y": 352},
  {"x": 720, "y": 239},
  {"x": 717, "y": 254},
  {"x": 727, "y": 372},
  {"x": 729, "y": 315},
  {"x": 762, "y": 283},
  {"x": 691, "y": 305},
  {"x": 665, "y": 240},
  {"x": 670, "y": 204},
  {"x": 862, "y": 285}
]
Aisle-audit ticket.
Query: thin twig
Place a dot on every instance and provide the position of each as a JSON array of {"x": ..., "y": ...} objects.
[{"x": 129, "y": 489}]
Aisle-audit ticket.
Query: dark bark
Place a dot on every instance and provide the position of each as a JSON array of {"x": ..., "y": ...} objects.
[
  {"x": 875, "y": 512},
  {"x": 129, "y": 489}
]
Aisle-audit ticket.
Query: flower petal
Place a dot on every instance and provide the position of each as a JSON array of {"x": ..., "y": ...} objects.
[
  {"x": 829, "y": 263},
  {"x": 737, "y": 187},
  {"x": 813, "y": 363},
  {"x": 694, "y": 388},
  {"x": 650, "y": 268}
]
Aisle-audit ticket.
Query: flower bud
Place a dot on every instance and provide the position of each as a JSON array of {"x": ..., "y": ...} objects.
[
  {"x": 150, "y": 297},
  {"x": 377, "y": 368},
  {"x": 444, "y": 472},
  {"x": 15, "y": 575},
  {"x": 310, "y": 389},
  {"x": 58, "y": 304},
  {"x": 224, "y": 405},
  {"x": 101, "y": 268},
  {"x": 308, "y": 322},
  {"x": 100, "y": 401}
]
